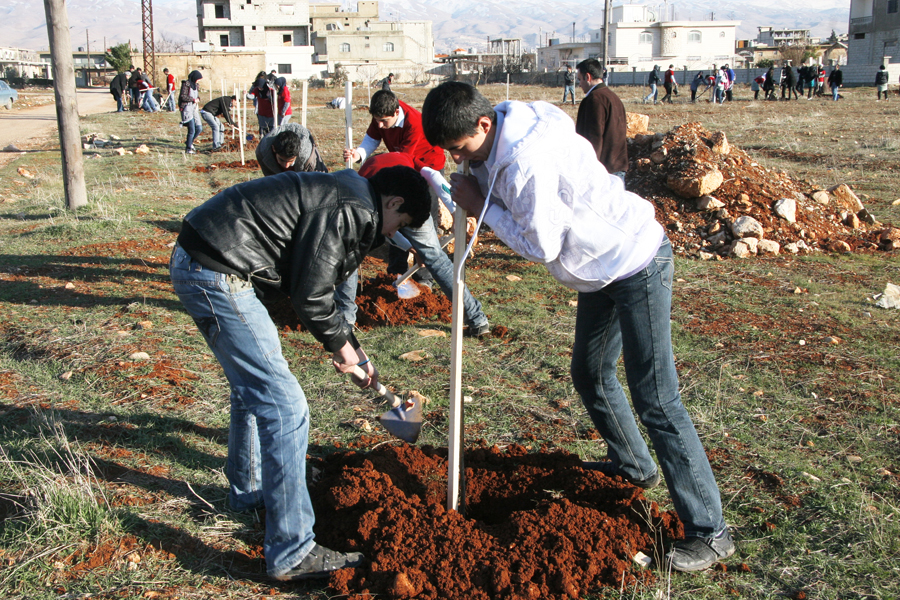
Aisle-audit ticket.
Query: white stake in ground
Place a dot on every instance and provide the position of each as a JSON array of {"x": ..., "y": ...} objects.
[
  {"x": 303, "y": 110},
  {"x": 456, "y": 485},
  {"x": 348, "y": 113}
]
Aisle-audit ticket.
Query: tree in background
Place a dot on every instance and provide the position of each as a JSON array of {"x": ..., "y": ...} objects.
[
  {"x": 765, "y": 63},
  {"x": 798, "y": 53},
  {"x": 119, "y": 57}
]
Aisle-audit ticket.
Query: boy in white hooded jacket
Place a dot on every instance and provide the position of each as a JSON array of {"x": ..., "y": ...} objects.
[{"x": 552, "y": 202}]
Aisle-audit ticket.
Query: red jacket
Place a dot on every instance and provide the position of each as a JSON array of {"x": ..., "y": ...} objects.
[
  {"x": 410, "y": 139},
  {"x": 170, "y": 82},
  {"x": 284, "y": 100}
]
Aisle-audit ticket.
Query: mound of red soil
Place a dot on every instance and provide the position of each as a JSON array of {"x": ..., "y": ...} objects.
[
  {"x": 378, "y": 305},
  {"x": 535, "y": 525},
  {"x": 747, "y": 189}
]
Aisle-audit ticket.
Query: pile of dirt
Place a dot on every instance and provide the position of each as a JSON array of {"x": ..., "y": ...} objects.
[
  {"x": 378, "y": 305},
  {"x": 250, "y": 164},
  {"x": 535, "y": 526},
  {"x": 701, "y": 186}
]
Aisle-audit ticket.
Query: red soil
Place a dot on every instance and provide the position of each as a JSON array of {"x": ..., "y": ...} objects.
[{"x": 535, "y": 525}]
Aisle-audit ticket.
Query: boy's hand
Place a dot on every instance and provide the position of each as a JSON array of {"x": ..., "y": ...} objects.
[
  {"x": 350, "y": 154},
  {"x": 464, "y": 190}
]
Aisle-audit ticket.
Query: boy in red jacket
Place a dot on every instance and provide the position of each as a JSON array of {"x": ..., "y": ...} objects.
[{"x": 399, "y": 126}]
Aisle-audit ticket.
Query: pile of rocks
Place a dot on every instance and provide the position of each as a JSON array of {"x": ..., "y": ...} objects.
[{"x": 715, "y": 201}]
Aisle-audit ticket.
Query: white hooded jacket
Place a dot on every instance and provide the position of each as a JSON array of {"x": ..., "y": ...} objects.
[{"x": 552, "y": 201}]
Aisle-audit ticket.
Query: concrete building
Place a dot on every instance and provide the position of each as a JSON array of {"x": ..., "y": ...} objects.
[
  {"x": 873, "y": 35},
  {"x": 93, "y": 64},
  {"x": 640, "y": 38},
  {"x": 770, "y": 36},
  {"x": 368, "y": 47},
  {"x": 26, "y": 63},
  {"x": 278, "y": 28}
]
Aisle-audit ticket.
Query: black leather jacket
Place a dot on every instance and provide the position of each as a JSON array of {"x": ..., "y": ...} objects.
[{"x": 299, "y": 232}]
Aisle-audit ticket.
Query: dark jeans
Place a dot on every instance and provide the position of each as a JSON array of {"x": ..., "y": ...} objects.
[{"x": 631, "y": 317}]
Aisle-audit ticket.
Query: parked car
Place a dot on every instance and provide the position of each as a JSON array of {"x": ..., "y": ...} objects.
[{"x": 7, "y": 95}]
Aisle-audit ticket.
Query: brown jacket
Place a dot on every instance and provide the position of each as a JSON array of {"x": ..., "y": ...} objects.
[{"x": 601, "y": 119}]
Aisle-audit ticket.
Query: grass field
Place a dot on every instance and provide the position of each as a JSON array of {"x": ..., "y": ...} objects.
[{"x": 111, "y": 468}]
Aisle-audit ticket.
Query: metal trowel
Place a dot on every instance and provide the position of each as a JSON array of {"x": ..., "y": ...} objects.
[
  {"x": 406, "y": 288},
  {"x": 404, "y": 419}
]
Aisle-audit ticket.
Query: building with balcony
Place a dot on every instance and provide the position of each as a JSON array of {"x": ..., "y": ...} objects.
[
  {"x": 24, "y": 63},
  {"x": 640, "y": 38},
  {"x": 364, "y": 44}
]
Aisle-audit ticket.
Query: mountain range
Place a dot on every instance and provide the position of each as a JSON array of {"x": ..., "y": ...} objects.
[{"x": 457, "y": 23}]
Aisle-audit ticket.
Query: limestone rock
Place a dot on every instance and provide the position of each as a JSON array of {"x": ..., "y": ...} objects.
[
  {"x": 719, "y": 143},
  {"x": 746, "y": 226},
  {"x": 866, "y": 217},
  {"x": 889, "y": 238},
  {"x": 796, "y": 247},
  {"x": 890, "y": 298},
  {"x": 695, "y": 182},
  {"x": 768, "y": 247},
  {"x": 851, "y": 221},
  {"x": 744, "y": 248},
  {"x": 142, "y": 149},
  {"x": 446, "y": 219},
  {"x": 659, "y": 156},
  {"x": 709, "y": 203},
  {"x": 839, "y": 246},
  {"x": 845, "y": 197},
  {"x": 636, "y": 124},
  {"x": 786, "y": 208},
  {"x": 822, "y": 197},
  {"x": 658, "y": 140}
]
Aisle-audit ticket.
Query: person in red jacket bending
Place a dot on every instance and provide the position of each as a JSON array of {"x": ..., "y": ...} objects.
[{"x": 399, "y": 126}]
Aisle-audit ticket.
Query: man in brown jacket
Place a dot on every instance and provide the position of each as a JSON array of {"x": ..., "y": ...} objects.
[{"x": 601, "y": 119}]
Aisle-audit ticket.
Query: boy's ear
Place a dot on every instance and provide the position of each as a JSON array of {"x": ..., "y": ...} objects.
[
  {"x": 392, "y": 202},
  {"x": 485, "y": 124}
]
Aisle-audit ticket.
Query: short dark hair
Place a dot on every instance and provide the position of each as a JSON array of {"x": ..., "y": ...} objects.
[
  {"x": 451, "y": 112},
  {"x": 383, "y": 104},
  {"x": 409, "y": 185},
  {"x": 287, "y": 144},
  {"x": 592, "y": 67}
]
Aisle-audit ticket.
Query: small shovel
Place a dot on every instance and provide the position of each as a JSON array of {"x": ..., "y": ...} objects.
[
  {"x": 404, "y": 419},
  {"x": 408, "y": 290}
]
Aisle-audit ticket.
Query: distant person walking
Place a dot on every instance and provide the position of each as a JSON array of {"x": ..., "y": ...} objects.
[
  {"x": 669, "y": 83},
  {"x": 769, "y": 84},
  {"x": 386, "y": 82},
  {"x": 881, "y": 82},
  {"x": 788, "y": 83},
  {"x": 188, "y": 98},
  {"x": 730, "y": 75},
  {"x": 720, "y": 85},
  {"x": 835, "y": 81},
  {"x": 653, "y": 81},
  {"x": 170, "y": 91},
  {"x": 569, "y": 83}
]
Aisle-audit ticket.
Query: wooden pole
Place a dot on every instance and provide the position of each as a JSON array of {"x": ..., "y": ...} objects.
[
  {"x": 303, "y": 110},
  {"x": 456, "y": 480},
  {"x": 348, "y": 114},
  {"x": 66, "y": 103}
]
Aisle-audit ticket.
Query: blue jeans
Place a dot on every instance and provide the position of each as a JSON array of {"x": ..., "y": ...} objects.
[
  {"x": 266, "y": 124},
  {"x": 120, "y": 107},
  {"x": 345, "y": 298},
  {"x": 269, "y": 431},
  {"x": 170, "y": 103},
  {"x": 632, "y": 316},
  {"x": 148, "y": 102},
  {"x": 425, "y": 240},
  {"x": 216, "y": 126},
  {"x": 653, "y": 95},
  {"x": 569, "y": 90},
  {"x": 194, "y": 130},
  {"x": 834, "y": 92}
]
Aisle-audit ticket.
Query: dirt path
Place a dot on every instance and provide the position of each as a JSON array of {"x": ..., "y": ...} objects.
[{"x": 23, "y": 128}]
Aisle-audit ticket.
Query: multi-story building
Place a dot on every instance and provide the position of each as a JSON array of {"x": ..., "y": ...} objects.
[
  {"x": 25, "y": 63},
  {"x": 874, "y": 32},
  {"x": 279, "y": 28},
  {"x": 362, "y": 43},
  {"x": 640, "y": 38},
  {"x": 770, "y": 36}
]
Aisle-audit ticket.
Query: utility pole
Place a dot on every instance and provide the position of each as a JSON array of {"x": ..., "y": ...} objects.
[
  {"x": 573, "y": 32},
  {"x": 606, "y": 36},
  {"x": 87, "y": 69},
  {"x": 66, "y": 103},
  {"x": 149, "y": 47}
]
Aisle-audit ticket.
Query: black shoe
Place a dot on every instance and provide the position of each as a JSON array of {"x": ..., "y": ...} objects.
[
  {"x": 320, "y": 563},
  {"x": 696, "y": 554},
  {"x": 610, "y": 470},
  {"x": 477, "y": 332}
]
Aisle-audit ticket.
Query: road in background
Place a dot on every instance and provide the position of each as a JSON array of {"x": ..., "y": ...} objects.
[{"x": 17, "y": 127}]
